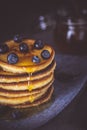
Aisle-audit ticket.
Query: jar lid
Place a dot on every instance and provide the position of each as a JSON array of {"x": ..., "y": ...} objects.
[{"x": 74, "y": 21}]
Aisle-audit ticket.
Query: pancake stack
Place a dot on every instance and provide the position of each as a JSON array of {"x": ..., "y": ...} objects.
[{"x": 26, "y": 72}]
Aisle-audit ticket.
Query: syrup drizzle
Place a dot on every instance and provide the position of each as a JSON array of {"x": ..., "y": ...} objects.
[
  {"x": 30, "y": 86},
  {"x": 31, "y": 98}
]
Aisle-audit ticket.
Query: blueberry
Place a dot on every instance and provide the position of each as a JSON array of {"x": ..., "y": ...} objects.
[
  {"x": 4, "y": 48},
  {"x": 12, "y": 58},
  {"x": 45, "y": 54},
  {"x": 38, "y": 44},
  {"x": 23, "y": 47},
  {"x": 17, "y": 38},
  {"x": 36, "y": 59}
]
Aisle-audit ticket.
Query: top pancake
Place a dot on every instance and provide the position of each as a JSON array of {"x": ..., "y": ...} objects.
[{"x": 25, "y": 64}]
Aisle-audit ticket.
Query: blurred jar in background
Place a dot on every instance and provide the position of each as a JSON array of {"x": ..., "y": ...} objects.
[
  {"x": 71, "y": 30},
  {"x": 46, "y": 22}
]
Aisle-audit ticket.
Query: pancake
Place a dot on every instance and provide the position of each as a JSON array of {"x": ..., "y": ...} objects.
[
  {"x": 10, "y": 93},
  {"x": 9, "y": 77},
  {"x": 27, "y": 85},
  {"x": 22, "y": 99},
  {"x": 25, "y": 63},
  {"x": 45, "y": 98},
  {"x": 26, "y": 73}
]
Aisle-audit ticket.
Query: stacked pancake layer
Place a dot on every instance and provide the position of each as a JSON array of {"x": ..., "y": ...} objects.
[{"x": 28, "y": 81}]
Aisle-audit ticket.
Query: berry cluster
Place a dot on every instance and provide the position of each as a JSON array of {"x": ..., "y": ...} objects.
[{"x": 12, "y": 58}]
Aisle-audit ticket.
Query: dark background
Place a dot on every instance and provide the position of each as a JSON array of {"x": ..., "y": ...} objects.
[{"x": 16, "y": 16}]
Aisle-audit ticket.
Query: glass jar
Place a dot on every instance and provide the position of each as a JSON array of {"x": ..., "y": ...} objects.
[{"x": 71, "y": 29}]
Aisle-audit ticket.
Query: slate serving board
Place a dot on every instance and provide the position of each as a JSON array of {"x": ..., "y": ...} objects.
[{"x": 70, "y": 78}]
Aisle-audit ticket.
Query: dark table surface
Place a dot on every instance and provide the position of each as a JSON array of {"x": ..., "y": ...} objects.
[
  {"x": 73, "y": 117},
  {"x": 15, "y": 18}
]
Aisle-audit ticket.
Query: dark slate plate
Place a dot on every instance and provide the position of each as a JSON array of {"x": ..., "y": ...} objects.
[{"x": 69, "y": 80}]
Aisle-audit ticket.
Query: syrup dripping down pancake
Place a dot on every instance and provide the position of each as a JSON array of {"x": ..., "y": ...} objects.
[
  {"x": 43, "y": 99},
  {"x": 24, "y": 85},
  {"x": 26, "y": 77},
  {"x": 12, "y": 93},
  {"x": 8, "y": 77}
]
